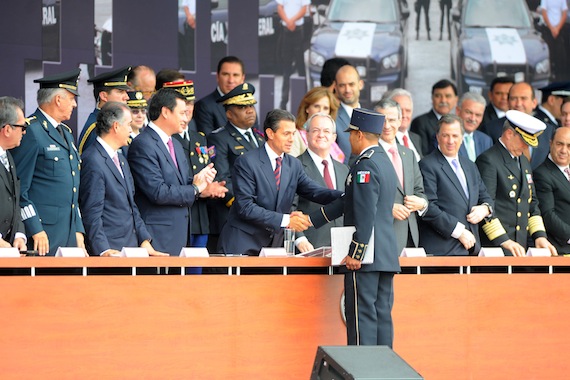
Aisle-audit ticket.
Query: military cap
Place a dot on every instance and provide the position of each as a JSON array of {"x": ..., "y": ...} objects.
[
  {"x": 136, "y": 99},
  {"x": 112, "y": 79},
  {"x": 366, "y": 121},
  {"x": 555, "y": 88},
  {"x": 185, "y": 87},
  {"x": 241, "y": 95},
  {"x": 527, "y": 126},
  {"x": 67, "y": 80}
]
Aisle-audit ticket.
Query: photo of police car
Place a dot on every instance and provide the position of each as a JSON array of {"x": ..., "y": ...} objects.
[
  {"x": 496, "y": 38},
  {"x": 372, "y": 35}
]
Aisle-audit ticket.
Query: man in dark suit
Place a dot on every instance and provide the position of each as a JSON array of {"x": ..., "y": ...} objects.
[
  {"x": 319, "y": 165},
  {"x": 552, "y": 180},
  {"x": 209, "y": 113},
  {"x": 521, "y": 98},
  {"x": 470, "y": 110},
  {"x": 404, "y": 136},
  {"x": 106, "y": 192},
  {"x": 410, "y": 201},
  {"x": 549, "y": 111},
  {"x": 48, "y": 166},
  {"x": 231, "y": 141},
  {"x": 444, "y": 100},
  {"x": 368, "y": 206},
  {"x": 107, "y": 87},
  {"x": 507, "y": 174},
  {"x": 458, "y": 198},
  {"x": 164, "y": 192},
  {"x": 347, "y": 89},
  {"x": 498, "y": 100},
  {"x": 265, "y": 181},
  {"x": 12, "y": 128}
]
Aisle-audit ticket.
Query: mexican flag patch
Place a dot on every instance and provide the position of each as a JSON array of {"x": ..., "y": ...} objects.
[{"x": 363, "y": 176}]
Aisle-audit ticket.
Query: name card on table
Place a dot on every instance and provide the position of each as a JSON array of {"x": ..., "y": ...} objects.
[
  {"x": 134, "y": 252},
  {"x": 491, "y": 252},
  {"x": 9, "y": 252},
  {"x": 538, "y": 252},
  {"x": 272, "y": 252},
  {"x": 194, "y": 252},
  {"x": 70, "y": 252},
  {"x": 413, "y": 252}
]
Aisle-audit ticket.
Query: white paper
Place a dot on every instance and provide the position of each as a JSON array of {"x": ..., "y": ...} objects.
[
  {"x": 134, "y": 252},
  {"x": 538, "y": 252},
  {"x": 341, "y": 237},
  {"x": 413, "y": 252},
  {"x": 194, "y": 252},
  {"x": 491, "y": 252},
  {"x": 317, "y": 252},
  {"x": 272, "y": 252},
  {"x": 70, "y": 252},
  {"x": 9, "y": 252}
]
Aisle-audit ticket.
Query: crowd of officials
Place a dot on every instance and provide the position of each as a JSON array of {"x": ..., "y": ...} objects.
[{"x": 154, "y": 168}]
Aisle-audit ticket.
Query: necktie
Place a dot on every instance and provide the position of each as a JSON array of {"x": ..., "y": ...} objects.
[
  {"x": 250, "y": 139},
  {"x": 4, "y": 159},
  {"x": 171, "y": 150},
  {"x": 470, "y": 147},
  {"x": 186, "y": 137},
  {"x": 461, "y": 176},
  {"x": 118, "y": 164},
  {"x": 567, "y": 171},
  {"x": 327, "y": 175},
  {"x": 277, "y": 171},
  {"x": 397, "y": 163},
  {"x": 406, "y": 142},
  {"x": 60, "y": 130}
]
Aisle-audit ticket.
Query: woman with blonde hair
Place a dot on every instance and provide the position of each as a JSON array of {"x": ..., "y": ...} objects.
[{"x": 318, "y": 99}]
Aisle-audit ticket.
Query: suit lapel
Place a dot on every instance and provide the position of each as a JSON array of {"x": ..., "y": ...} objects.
[
  {"x": 164, "y": 151},
  {"x": 450, "y": 173},
  {"x": 238, "y": 137},
  {"x": 111, "y": 165},
  {"x": 311, "y": 169},
  {"x": 510, "y": 163},
  {"x": 558, "y": 175}
]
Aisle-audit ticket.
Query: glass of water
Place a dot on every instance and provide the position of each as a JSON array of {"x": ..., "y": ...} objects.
[{"x": 289, "y": 241}]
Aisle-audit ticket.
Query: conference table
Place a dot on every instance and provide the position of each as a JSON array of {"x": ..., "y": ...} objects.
[{"x": 264, "y": 318}]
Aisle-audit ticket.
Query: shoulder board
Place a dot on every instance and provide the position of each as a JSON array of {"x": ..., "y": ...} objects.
[
  {"x": 218, "y": 130},
  {"x": 365, "y": 156},
  {"x": 68, "y": 129},
  {"x": 29, "y": 120}
]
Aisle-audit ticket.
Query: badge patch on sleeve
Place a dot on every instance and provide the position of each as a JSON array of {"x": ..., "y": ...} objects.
[{"x": 363, "y": 176}]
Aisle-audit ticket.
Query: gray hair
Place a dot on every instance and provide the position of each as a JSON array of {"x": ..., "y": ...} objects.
[
  {"x": 9, "y": 110},
  {"x": 386, "y": 103},
  {"x": 477, "y": 98},
  {"x": 46, "y": 95},
  {"x": 307, "y": 124},
  {"x": 397, "y": 92},
  {"x": 110, "y": 113}
]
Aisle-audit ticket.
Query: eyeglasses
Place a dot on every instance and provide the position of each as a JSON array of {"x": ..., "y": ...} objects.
[
  {"x": 23, "y": 126},
  {"x": 139, "y": 110}
]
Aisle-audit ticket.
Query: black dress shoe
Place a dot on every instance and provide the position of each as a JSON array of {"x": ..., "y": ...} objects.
[{"x": 429, "y": 38}]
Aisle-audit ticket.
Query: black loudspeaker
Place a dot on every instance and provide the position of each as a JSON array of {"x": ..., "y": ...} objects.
[{"x": 360, "y": 362}]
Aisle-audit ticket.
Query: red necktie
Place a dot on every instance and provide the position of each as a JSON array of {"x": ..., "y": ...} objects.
[
  {"x": 406, "y": 143},
  {"x": 327, "y": 175},
  {"x": 277, "y": 171},
  {"x": 171, "y": 150}
]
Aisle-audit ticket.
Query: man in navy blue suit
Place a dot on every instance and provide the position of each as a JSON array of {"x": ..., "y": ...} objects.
[
  {"x": 471, "y": 108},
  {"x": 458, "y": 199},
  {"x": 106, "y": 192},
  {"x": 265, "y": 182},
  {"x": 164, "y": 191}
]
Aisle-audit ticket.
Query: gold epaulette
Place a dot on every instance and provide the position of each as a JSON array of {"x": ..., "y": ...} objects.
[
  {"x": 494, "y": 229},
  {"x": 359, "y": 250},
  {"x": 535, "y": 224},
  {"x": 30, "y": 119}
]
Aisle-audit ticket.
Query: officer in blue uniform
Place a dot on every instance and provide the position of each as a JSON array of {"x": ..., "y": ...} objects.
[
  {"x": 48, "y": 166},
  {"x": 107, "y": 87},
  {"x": 369, "y": 197}
]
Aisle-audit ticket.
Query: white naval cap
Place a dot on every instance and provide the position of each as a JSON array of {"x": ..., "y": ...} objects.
[{"x": 527, "y": 126}]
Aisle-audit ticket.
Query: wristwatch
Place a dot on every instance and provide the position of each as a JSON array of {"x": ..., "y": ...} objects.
[{"x": 196, "y": 191}]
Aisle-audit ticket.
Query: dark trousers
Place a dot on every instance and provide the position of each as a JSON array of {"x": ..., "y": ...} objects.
[
  {"x": 445, "y": 7},
  {"x": 556, "y": 46},
  {"x": 291, "y": 54},
  {"x": 369, "y": 297},
  {"x": 419, "y": 5}
]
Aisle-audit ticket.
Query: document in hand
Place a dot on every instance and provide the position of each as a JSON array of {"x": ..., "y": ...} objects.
[{"x": 341, "y": 237}]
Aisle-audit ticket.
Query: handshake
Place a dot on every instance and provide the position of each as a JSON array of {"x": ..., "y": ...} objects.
[{"x": 299, "y": 221}]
